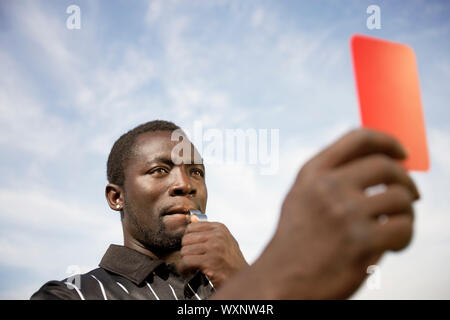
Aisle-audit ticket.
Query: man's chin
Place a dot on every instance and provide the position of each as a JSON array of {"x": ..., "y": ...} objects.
[
  {"x": 164, "y": 245},
  {"x": 175, "y": 245},
  {"x": 168, "y": 238},
  {"x": 174, "y": 227},
  {"x": 175, "y": 223}
]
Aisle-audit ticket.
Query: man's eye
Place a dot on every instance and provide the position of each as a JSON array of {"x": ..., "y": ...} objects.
[
  {"x": 158, "y": 170},
  {"x": 198, "y": 172}
]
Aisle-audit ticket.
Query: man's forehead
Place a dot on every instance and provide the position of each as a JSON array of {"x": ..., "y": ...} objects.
[
  {"x": 154, "y": 141},
  {"x": 157, "y": 145}
]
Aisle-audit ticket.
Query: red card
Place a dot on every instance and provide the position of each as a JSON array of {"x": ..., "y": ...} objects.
[{"x": 389, "y": 95}]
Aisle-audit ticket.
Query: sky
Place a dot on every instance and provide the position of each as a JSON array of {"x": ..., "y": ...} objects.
[{"x": 67, "y": 94}]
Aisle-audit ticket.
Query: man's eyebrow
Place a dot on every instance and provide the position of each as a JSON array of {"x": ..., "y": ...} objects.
[{"x": 167, "y": 161}]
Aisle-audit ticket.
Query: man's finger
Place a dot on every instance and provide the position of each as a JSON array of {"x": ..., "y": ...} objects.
[
  {"x": 193, "y": 249},
  {"x": 394, "y": 200},
  {"x": 203, "y": 226},
  {"x": 194, "y": 237},
  {"x": 374, "y": 170},
  {"x": 190, "y": 263},
  {"x": 358, "y": 143},
  {"x": 394, "y": 234}
]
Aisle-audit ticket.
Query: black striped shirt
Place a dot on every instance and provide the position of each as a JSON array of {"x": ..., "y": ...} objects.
[{"x": 125, "y": 274}]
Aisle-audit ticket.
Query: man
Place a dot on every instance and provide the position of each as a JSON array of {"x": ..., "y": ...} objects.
[
  {"x": 164, "y": 256},
  {"x": 330, "y": 229}
]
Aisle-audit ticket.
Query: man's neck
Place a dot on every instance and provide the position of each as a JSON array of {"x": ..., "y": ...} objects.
[
  {"x": 172, "y": 257},
  {"x": 135, "y": 245}
]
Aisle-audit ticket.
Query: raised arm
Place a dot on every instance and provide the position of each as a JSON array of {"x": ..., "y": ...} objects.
[{"x": 330, "y": 229}]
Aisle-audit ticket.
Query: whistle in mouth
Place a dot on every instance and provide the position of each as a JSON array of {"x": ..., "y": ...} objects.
[{"x": 200, "y": 216}]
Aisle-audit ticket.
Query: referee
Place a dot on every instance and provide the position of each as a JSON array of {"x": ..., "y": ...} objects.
[{"x": 164, "y": 255}]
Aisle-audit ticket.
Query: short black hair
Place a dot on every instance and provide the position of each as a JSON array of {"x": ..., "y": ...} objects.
[{"x": 123, "y": 147}]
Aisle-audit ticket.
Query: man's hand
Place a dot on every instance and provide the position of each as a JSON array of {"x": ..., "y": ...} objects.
[
  {"x": 210, "y": 247},
  {"x": 329, "y": 230}
]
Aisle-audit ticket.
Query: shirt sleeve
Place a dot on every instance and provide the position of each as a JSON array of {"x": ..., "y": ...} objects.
[{"x": 56, "y": 290}]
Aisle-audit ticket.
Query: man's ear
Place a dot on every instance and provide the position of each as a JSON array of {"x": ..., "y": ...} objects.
[{"x": 114, "y": 196}]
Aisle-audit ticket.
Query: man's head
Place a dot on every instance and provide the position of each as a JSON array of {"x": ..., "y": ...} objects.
[{"x": 152, "y": 193}]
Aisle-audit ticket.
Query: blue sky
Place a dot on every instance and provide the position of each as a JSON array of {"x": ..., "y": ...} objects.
[{"x": 66, "y": 95}]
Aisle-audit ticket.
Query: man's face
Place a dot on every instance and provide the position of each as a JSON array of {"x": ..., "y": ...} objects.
[{"x": 158, "y": 194}]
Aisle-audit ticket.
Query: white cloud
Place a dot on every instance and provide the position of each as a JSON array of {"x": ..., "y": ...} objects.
[
  {"x": 154, "y": 10},
  {"x": 257, "y": 17},
  {"x": 24, "y": 123},
  {"x": 42, "y": 235},
  {"x": 439, "y": 144}
]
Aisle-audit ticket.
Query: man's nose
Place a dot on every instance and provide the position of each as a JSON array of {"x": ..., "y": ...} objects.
[{"x": 182, "y": 185}]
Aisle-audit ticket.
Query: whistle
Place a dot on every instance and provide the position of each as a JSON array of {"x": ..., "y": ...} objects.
[{"x": 201, "y": 216}]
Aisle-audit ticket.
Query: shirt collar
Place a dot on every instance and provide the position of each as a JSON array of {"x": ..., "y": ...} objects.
[{"x": 129, "y": 263}]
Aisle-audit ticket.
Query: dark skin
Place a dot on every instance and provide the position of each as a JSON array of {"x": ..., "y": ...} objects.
[
  {"x": 329, "y": 231},
  {"x": 155, "y": 198}
]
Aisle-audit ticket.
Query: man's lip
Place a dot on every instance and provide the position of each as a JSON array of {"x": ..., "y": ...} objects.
[{"x": 180, "y": 210}]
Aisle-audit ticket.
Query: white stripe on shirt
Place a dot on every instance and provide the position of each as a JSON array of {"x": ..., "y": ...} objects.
[
  {"x": 196, "y": 295},
  {"x": 123, "y": 287},
  {"x": 148, "y": 284},
  {"x": 101, "y": 287},
  {"x": 210, "y": 283},
  {"x": 173, "y": 291},
  {"x": 76, "y": 288}
]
